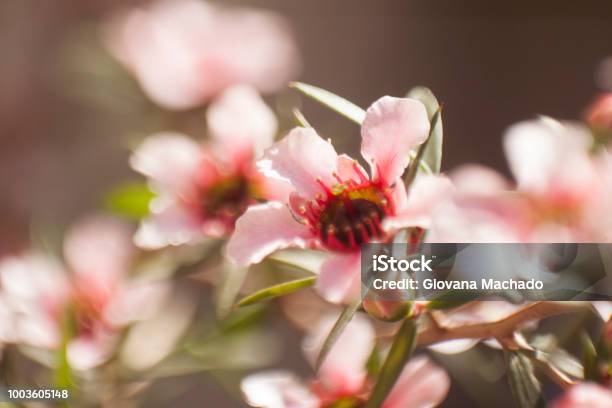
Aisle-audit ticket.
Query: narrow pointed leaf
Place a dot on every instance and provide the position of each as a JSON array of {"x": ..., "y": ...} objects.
[
  {"x": 277, "y": 290},
  {"x": 525, "y": 386},
  {"x": 344, "y": 107},
  {"x": 374, "y": 362},
  {"x": 334, "y": 102},
  {"x": 63, "y": 371},
  {"x": 432, "y": 156},
  {"x": 417, "y": 162},
  {"x": 335, "y": 332},
  {"x": 300, "y": 118},
  {"x": 399, "y": 354},
  {"x": 589, "y": 356}
]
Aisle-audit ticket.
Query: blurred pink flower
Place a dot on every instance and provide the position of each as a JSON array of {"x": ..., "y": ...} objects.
[
  {"x": 562, "y": 193},
  {"x": 203, "y": 188},
  {"x": 335, "y": 205},
  {"x": 585, "y": 395},
  {"x": 343, "y": 376},
  {"x": 599, "y": 113},
  {"x": 184, "y": 52},
  {"x": 90, "y": 298}
]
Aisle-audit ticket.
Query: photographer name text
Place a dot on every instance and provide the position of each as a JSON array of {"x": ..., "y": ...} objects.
[{"x": 385, "y": 263}]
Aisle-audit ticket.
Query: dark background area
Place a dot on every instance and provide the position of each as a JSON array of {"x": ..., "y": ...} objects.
[{"x": 491, "y": 63}]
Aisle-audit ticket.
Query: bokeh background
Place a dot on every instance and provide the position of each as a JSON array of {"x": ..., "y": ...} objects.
[{"x": 69, "y": 114}]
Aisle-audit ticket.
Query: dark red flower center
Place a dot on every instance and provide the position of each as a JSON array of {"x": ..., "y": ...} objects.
[
  {"x": 227, "y": 198},
  {"x": 349, "y": 214},
  {"x": 87, "y": 313}
]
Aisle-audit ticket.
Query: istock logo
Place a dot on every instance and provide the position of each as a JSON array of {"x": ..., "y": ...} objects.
[{"x": 384, "y": 263}]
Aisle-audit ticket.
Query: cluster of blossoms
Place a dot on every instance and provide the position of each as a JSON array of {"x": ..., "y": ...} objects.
[
  {"x": 260, "y": 196},
  {"x": 85, "y": 302},
  {"x": 343, "y": 379},
  {"x": 562, "y": 191}
]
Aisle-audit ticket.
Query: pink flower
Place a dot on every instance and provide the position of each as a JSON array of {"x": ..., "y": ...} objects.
[
  {"x": 335, "y": 204},
  {"x": 585, "y": 395},
  {"x": 185, "y": 52},
  {"x": 599, "y": 113},
  {"x": 343, "y": 376},
  {"x": 91, "y": 294},
  {"x": 203, "y": 188},
  {"x": 562, "y": 193}
]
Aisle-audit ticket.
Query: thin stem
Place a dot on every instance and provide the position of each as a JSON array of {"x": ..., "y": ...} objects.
[{"x": 437, "y": 332}]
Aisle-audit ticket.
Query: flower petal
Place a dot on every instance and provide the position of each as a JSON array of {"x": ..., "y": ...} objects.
[
  {"x": 425, "y": 195},
  {"x": 599, "y": 113},
  {"x": 301, "y": 157},
  {"x": 340, "y": 278},
  {"x": 422, "y": 384},
  {"x": 170, "y": 223},
  {"x": 241, "y": 123},
  {"x": 479, "y": 218},
  {"x": 258, "y": 47},
  {"x": 349, "y": 169},
  {"x": 169, "y": 159},
  {"x": 343, "y": 371},
  {"x": 263, "y": 229},
  {"x": 275, "y": 189},
  {"x": 34, "y": 290},
  {"x": 32, "y": 281},
  {"x": 99, "y": 251},
  {"x": 277, "y": 389},
  {"x": 87, "y": 352},
  {"x": 544, "y": 153},
  {"x": 391, "y": 129},
  {"x": 585, "y": 395},
  {"x": 476, "y": 179},
  {"x": 136, "y": 302}
]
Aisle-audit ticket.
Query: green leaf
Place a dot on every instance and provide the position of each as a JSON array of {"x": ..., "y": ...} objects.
[
  {"x": 418, "y": 162},
  {"x": 452, "y": 299},
  {"x": 300, "y": 118},
  {"x": 347, "y": 109},
  {"x": 277, "y": 290},
  {"x": 589, "y": 353},
  {"x": 374, "y": 362},
  {"x": 334, "y": 102},
  {"x": 432, "y": 156},
  {"x": 335, "y": 332},
  {"x": 401, "y": 350},
  {"x": 525, "y": 386},
  {"x": 240, "y": 320},
  {"x": 63, "y": 374},
  {"x": 130, "y": 200}
]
